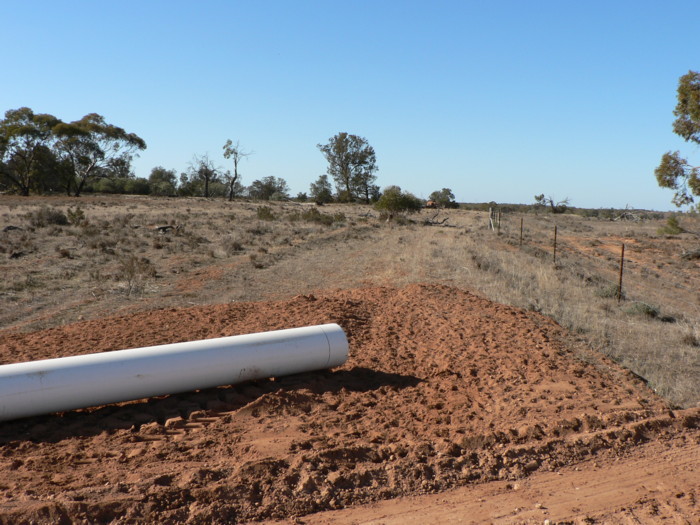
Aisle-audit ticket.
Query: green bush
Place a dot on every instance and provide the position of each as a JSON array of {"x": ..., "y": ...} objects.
[
  {"x": 394, "y": 201},
  {"x": 76, "y": 217},
  {"x": 137, "y": 186},
  {"x": 643, "y": 309},
  {"x": 109, "y": 185},
  {"x": 672, "y": 227}
]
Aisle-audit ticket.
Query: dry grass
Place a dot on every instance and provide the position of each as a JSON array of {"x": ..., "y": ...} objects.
[{"x": 119, "y": 254}]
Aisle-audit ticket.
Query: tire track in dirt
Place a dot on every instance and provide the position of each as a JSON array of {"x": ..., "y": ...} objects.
[
  {"x": 658, "y": 483},
  {"x": 442, "y": 389}
]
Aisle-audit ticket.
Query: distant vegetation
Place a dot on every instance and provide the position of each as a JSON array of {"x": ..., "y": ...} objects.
[
  {"x": 395, "y": 201},
  {"x": 352, "y": 163},
  {"x": 39, "y": 153}
]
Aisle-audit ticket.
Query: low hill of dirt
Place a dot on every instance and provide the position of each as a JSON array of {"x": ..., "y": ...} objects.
[{"x": 442, "y": 389}]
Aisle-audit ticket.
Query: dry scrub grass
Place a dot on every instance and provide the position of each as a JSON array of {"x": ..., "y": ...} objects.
[{"x": 111, "y": 257}]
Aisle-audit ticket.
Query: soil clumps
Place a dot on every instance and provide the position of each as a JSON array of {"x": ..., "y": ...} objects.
[{"x": 442, "y": 389}]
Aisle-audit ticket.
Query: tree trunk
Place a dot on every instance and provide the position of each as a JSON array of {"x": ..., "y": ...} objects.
[{"x": 79, "y": 187}]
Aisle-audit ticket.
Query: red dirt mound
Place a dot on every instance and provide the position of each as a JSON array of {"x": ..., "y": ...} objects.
[{"x": 443, "y": 388}]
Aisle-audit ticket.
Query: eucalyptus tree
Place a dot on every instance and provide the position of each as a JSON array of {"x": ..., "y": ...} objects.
[
  {"x": 269, "y": 188},
  {"x": 674, "y": 171},
  {"x": 321, "y": 190},
  {"x": 236, "y": 154},
  {"x": 91, "y": 146},
  {"x": 162, "y": 181},
  {"x": 25, "y": 147},
  {"x": 200, "y": 176},
  {"x": 444, "y": 198},
  {"x": 352, "y": 163}
]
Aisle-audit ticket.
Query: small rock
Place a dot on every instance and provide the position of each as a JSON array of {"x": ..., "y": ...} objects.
[
  {"x": 532, "y": 465},
  {"x": 164, "y": 480}
]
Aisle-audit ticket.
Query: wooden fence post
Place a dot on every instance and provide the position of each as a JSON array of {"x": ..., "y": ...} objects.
[
  {"x": 521, "y": 231},
  {"x": 555, "y": 244},
  {"x": 622, "y": 264}
]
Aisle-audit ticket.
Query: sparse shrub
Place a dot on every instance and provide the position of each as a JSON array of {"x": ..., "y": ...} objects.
[
  {"x": 672, "y": 227},
  {"x": 265, "y": 213},
  {"x": 102, "y": 244},
  {"x": 258, "y": 229},
  {"x": 135, "y": 270},
  {"x": 609, "y": 292},
  {"x": 232, "y": 246},
  {"x": 28, "y": 283},
  {"x": 44, "y": 216},
  {"x": 399, "y": 220},
  {"x": 483, "y": 263},
  {"x": 89, "y": 230},
  {"x": 123, "y": 219},
  {"x": 691, "y": 339},
  {"x": 76, "y": 217},
  {"x": 256, "y": 262},
  {"x": 315, "y": 216},
  {"x": 643, "y": 309},
  {"x": 54, "y": 231},
  {"x": 64, "y": 252}
]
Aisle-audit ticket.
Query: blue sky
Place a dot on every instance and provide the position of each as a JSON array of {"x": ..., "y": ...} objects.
[{"x": 497, "y": 100}]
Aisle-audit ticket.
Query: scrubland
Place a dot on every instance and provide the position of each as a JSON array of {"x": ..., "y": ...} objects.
[{"x": 65, "y": 260}]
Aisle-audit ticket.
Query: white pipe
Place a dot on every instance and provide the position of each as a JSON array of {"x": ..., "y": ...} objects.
[{"x": 55, "y": 385}]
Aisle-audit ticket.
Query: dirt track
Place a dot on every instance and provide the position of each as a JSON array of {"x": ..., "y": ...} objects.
[
  {"x": 443, "y": 389},
  {"x": 649, "y": 485}
]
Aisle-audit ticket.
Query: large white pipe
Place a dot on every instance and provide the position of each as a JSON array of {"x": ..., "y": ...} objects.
[{"x": 67, "y": 383}]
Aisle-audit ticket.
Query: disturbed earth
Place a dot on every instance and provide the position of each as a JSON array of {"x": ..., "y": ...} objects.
[{"x": 443, "y": 391}]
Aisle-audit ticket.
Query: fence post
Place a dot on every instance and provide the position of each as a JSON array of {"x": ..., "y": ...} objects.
[
  {"x": 499, "y": 222},
  {"x": 521, "y": 231},
  {"x": 622, "y": 263},
  {"x": 555, "y": 244}
]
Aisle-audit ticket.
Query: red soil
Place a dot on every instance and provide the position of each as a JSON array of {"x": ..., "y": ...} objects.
[{"x": 442, "y": 389}]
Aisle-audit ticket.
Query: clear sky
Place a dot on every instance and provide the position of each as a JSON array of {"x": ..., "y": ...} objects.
[{"x": 497, "y": 100}]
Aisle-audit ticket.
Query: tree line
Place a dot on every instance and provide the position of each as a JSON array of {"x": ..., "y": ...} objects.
[{"x": 41, "y": 154}]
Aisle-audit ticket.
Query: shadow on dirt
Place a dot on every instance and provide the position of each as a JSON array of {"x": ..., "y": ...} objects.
[{"x": 210, "y": 402}]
